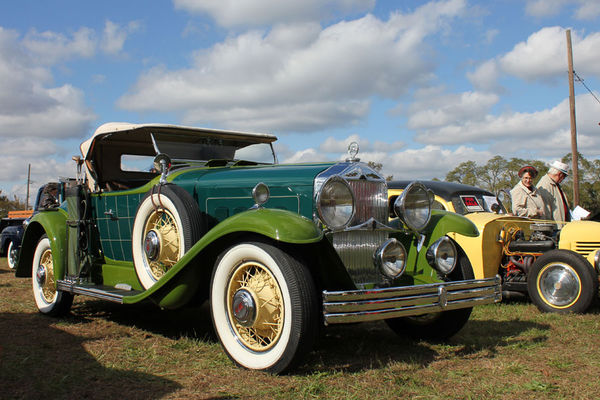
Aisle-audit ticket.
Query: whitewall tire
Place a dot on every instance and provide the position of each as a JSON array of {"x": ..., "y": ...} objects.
[
  {"x": 166, "y": 226},
  {"x": 264, "y": 307},
  {"x": 48, "y": 300},
  {"x": 11, "y": 255}
]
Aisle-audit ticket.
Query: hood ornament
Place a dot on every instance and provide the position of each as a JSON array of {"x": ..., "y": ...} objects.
[{"x": 353, "y": 151}]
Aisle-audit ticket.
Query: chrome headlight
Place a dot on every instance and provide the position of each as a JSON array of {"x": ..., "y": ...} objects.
[
  {"x": 390, "y": 258},
  {"x": 597, "y": 261},
  {"x": 335, "y": 203},
  {"x": 442, "y": 255},
  {"x": 413, "y": 206}
]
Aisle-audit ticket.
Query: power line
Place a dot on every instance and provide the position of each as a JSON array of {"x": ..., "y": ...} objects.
[{"x": 588, "y": 89}]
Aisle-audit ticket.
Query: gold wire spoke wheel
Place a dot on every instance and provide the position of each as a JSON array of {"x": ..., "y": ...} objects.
[
  {"x": 163, "y": 224},
  {"x": 260, "y": 287},
  {"x": 48, "y": 289}
]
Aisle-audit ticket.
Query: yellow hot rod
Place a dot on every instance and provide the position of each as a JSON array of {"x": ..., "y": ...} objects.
[{"x": 555, "y": 264}]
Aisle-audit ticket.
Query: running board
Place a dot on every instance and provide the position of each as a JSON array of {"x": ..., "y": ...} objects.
[{"x": 109, "y": 293}]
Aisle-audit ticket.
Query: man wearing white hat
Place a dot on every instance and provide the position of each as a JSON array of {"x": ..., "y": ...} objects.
[{"x": 557, "y": 206}]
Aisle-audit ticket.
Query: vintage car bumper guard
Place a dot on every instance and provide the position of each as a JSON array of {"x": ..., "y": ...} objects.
[{"x": 376, "y": 304}]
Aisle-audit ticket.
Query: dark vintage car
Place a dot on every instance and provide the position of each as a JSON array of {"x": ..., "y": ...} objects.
[
  {"x": 557, "y": 265},
  {"x": 12, "y": 230},
  {"x": 10, "y": 239},
  {"x": 178, "y": 215}
]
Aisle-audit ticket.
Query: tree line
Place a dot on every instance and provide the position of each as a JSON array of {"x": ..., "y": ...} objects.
[
  {"x": 500, "y": 173},
  {"x": 6, "y": 204}
]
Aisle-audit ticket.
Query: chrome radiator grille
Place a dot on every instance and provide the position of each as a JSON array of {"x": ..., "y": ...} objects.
[
  {"x": 371, "y": 200},
  {"x": 356, "y": 248},
  {"x": 585, "y": 248}
]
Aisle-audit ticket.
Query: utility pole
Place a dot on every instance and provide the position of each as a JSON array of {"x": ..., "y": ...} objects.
[
  {"x": 28, "y": 181},
  {"x": 574, "y": 153}
]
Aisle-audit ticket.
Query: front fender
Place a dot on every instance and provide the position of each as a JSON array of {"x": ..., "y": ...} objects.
[
  {"x": 445, "y": 222},
  {"x": 52, "y": 223},
  {"x": 281, "y": 225},
  {"x": 441, "y": 223}
]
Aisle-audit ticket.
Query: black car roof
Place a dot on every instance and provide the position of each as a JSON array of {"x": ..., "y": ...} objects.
[{"x": 446, "y": 190}]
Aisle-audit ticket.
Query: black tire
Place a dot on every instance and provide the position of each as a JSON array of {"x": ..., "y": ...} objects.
[
  {"x": 48, "y": 300},
  {"x": 442, "y": 325},
  {"x": 264, "y": 307},
  {"x": 169, "y": 218},
  {"x": 562, "y": 281}
]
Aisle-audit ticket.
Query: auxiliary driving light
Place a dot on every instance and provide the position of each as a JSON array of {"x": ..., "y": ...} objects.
[{"x": 390, "y": 258}]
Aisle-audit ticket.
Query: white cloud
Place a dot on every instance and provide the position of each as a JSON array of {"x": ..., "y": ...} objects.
[
  {"x": 41, "y": 172},
  {"x": 332, "y": 145},
  {"x": 545, "y": 132},
  {"x": 380, "y": 146},
  {"x": 433, "y": 109},
  {"x": 50, "y": 47},
  {"x": 589, "y": 9},
  {"x": 29, "y": 107},
  {"x": 231, "y": 13},
  {"x": 485, "y": 77},
  {"x": 542, "y": 57},
  {"x": 430, "y": 161},
  {"x": 583, "y": 9},
  {"x": 64, "y": 116},
  {"x": 298, "y": 77},
  {"x": 34, "y": 113},
  {"x": 114, "y": 36},
  {"x": 302, "y": 156},
  {"x": 490, "y": 35},
  {"x": 490, "y": 128},
  {"x": 544, "y": 8}
]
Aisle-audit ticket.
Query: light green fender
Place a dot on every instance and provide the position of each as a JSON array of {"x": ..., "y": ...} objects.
[
  {"x": 441, "y": 223},
  {"x": 444, "y": 222},
  {"x": 53, "y": 223},
  {"x": 177, "y": 286}
]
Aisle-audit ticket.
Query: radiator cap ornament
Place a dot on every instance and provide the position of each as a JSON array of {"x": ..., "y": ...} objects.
[{"x": 353, "y": 151}]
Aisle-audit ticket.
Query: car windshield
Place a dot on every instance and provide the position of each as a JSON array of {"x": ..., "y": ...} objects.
[{"x": 203, "y": 148}]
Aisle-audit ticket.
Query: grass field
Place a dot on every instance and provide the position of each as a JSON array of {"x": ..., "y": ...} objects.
[{"x": 106, "y": 351}]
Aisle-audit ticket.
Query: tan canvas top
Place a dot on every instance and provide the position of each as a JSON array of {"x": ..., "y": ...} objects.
[{"x": 114, "y": 127}]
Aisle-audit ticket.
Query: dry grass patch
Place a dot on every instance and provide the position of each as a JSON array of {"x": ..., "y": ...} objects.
[{"x": 104, "y": 350}]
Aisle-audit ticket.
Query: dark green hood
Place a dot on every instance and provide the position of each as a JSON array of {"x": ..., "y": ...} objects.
[{"x": 224, "y": 191}]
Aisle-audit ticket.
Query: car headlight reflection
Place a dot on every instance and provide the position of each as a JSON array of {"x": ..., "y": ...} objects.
[
  {"x": 413, "y": 206},
  {"x": 335, "y": 203},
  {"x": 442, "y": 255}
]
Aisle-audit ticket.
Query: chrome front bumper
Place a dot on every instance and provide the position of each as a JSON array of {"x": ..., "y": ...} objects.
[{"x": 375, "y": 304}]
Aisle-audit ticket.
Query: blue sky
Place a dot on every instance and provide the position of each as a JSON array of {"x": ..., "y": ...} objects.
[{"x": 422, "y": 86}]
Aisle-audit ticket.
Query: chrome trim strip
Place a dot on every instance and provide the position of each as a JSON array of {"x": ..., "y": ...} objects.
[
  {"x": 370, "y": 225},
  {"x": 113, "y": 295},
  {"x": 376, "y": 304}
]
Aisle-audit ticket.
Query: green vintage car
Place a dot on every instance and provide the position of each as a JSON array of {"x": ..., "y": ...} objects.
[{"x": 177, "y": 215}]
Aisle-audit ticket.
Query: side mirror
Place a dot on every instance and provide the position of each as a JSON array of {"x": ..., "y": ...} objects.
[{"x": 162, "y": 164}]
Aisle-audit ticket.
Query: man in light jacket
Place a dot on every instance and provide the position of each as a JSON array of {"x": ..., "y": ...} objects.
[{"x": 557, "y": 205}]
